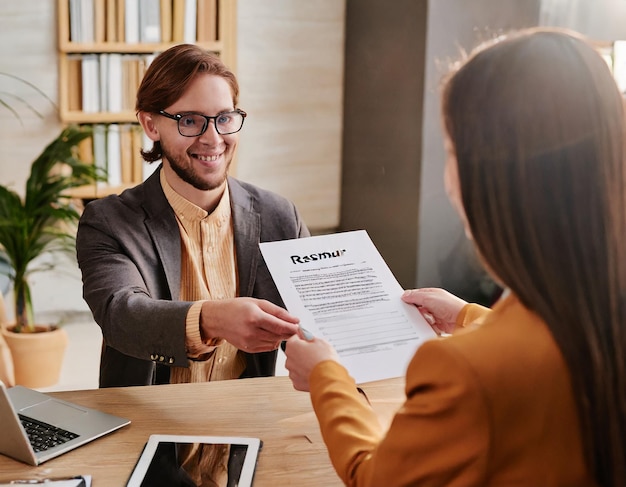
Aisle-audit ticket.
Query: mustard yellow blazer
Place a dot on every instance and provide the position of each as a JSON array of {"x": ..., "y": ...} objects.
[{"x": 488, "y": 407}]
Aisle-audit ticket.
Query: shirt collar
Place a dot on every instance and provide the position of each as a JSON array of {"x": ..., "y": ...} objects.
[{"x": 186, "y": 210}]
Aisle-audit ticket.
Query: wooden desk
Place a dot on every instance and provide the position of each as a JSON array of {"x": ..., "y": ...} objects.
[{"x": 268, "y": 408}]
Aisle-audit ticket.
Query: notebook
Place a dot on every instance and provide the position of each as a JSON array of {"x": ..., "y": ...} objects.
[{"x": 54, "y": 426}]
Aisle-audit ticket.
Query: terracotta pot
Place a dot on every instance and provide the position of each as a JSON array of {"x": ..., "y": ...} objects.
[
  {"x": 7, "y": 375},
  {"x": 37, "y": 357}
]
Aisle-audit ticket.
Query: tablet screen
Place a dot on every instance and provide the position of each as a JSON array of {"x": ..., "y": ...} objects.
[{"x": 196, "y": 461}]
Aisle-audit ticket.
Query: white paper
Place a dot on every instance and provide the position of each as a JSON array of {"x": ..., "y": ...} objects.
[
  {"x": 343, "y": 291},
  {"x": 79, "y": 481}
]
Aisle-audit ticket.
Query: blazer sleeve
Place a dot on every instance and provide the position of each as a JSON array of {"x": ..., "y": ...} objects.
[
  {"x": 440, "y": 436},
  {"x": 471, "y": 314},
  {"x": 125, "y": 286}
]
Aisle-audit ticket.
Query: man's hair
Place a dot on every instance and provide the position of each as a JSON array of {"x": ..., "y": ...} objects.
[
  {"x": 537, "y": 124},
  {"x": 168, "y": 77}
]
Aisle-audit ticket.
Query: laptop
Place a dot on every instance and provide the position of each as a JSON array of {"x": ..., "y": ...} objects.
[{"x": 37, "y": 427}]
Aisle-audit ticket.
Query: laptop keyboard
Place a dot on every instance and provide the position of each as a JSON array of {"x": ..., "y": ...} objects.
[{"x": 43, "y": 436}]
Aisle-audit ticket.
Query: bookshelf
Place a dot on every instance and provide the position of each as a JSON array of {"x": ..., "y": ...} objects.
[{"x": 104, "y": 48}]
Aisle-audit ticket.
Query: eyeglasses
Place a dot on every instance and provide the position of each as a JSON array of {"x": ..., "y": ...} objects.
[{"x": 194, "y": 124}]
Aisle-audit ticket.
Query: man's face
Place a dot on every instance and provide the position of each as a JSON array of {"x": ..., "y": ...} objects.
[{"x": 201, "y": 161}]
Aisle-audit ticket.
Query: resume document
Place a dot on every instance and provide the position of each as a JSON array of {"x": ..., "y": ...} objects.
[{"x": 343, "y": 291}]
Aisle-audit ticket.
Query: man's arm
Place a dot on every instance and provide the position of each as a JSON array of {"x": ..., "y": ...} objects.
[{"x": 125, "y": 285}]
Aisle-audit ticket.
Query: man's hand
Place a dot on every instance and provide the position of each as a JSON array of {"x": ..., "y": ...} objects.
[
  {"x": 252, "y": 325},
  {"x": 439, "y": 307}
]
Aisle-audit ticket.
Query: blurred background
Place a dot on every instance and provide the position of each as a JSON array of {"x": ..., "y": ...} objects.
[{"x": 343, "y": 105}]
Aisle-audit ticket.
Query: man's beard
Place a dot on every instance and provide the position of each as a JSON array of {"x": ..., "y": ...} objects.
[{"x": 187, "y": 173}]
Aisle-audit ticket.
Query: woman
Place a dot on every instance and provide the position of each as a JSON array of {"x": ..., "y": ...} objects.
[{"x": 534, "y": 392}]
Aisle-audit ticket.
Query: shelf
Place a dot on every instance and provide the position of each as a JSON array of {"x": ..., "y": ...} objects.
[
  {"x": 121, "y": 47},
  {"x": 95, "y": 192},
  {"x": 98, "y": 117}
]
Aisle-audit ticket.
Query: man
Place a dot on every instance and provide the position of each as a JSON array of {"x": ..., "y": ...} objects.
[{"x": 171, "y": 269}]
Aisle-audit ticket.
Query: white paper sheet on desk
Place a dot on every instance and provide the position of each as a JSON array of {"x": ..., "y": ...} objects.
[
  {"x": 342, "y": 290},
  {"x": 78, "y": 481}
]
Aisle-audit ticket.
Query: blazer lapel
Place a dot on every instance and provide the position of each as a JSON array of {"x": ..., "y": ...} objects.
[
  {"x": 163, "y": 228},
  {"x": 247, "y": 233}
]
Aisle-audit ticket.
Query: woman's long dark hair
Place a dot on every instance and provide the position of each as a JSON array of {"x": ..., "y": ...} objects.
[{"x": 537, "y": 124}]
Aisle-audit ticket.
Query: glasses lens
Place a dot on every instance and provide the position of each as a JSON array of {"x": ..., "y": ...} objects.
[
  {"x": 191, "y": 125},
  {"x": 229, "y": 123}
]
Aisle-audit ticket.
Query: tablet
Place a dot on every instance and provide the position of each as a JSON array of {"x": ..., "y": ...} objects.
[{"x": 196, "y": 461}]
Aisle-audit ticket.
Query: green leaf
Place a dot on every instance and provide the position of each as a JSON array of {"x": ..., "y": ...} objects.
[{"x": 44, "y": 220}]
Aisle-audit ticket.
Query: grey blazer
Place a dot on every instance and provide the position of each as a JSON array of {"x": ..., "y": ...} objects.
[{"x": 129, "y": 252}]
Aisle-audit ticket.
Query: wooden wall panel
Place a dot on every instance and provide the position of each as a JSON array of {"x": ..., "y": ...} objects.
[
  {"x": 290, "y": 67},
  {"x": 29, "y": 50}
]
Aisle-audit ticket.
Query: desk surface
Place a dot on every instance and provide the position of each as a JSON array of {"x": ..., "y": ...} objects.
[{"x": 267, "y": 408}]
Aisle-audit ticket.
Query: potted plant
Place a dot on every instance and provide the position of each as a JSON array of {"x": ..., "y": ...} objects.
[{"x": 40, "y": 222}]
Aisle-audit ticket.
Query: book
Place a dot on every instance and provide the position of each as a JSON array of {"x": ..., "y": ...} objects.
[
  {"x": 166, "y": 20},
  {"x": 100, "y": 148},
  {"x": 103, "y": 73},
  {"x": 137, "y": 145},
  {"x": 121, "y": 20},
  {"x": 130, "y": 80},
  {"x": 114, "y": 83},
  {"x": 114, "y": 155},
  {"x": 178, "y": 20},
  {"x": 74, "y": 83},
  {"x": 147, "y": 60},
  {"x": 75, "y": 21},
  {"x": 111, "y": 21},
  {"x": 189, "y": 23},
  {"x": 149, "y": 21},
  {"x": 206, "y": 30},
  {"x": 126, "y": 152},
  {"x": 85, "y": 150},
  {"x": 90, "y": 80},
  {"x": 99, "y": 20},
  {"x": 87, "y": 25},
  {"x": 131, "y": 21}
]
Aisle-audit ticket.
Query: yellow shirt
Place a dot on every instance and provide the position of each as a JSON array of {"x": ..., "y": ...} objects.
[{"x": 208, "y": 272}]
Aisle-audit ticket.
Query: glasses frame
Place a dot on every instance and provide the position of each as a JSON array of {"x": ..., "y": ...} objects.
[{"x": 207, "y": 120}]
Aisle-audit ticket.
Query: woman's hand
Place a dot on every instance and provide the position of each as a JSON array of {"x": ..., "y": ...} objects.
[
  {"x": 303, "y": 355},
  {"x": 439, "y": 307}
]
